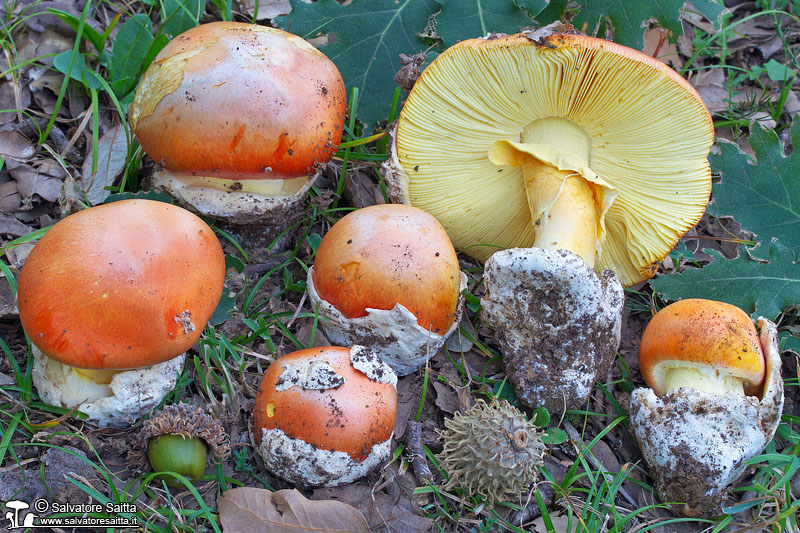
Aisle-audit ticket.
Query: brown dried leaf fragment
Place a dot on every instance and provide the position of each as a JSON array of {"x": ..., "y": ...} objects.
[{"x": 251, "y": 509}]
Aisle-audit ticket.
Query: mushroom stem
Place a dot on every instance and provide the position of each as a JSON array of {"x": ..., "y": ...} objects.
[
  {"x": 263, "y": 187},
  {"x": 564, "y": 197},
  {"x": 563, "y": 209},
  {"x": 102, "y": 377},
  {"x": 702, "y": 378}
]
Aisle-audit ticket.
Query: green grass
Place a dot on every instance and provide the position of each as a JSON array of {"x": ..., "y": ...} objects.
[{"x": 224, "y": 369}]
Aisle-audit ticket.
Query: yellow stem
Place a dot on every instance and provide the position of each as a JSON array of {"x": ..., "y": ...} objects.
[
  {"x": 704, "y": 379},
  {"x": 102, "y": 377},
  {"x": 563, "y": 209}
]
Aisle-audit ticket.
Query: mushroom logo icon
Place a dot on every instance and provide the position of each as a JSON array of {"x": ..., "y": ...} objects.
[{"x": 13, "y": 517}]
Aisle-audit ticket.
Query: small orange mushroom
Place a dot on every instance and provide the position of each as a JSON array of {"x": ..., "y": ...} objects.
[
  {"x": 388, "y": 276},
  {"x": 241, "y": 117},
  {"x": 325, "y": 416},
  {"x": 714, "y": 402},
  {"x": 702, "y": 344},
  {"x": 120, "y": 286},
  {"x": 384, "y": 255}
]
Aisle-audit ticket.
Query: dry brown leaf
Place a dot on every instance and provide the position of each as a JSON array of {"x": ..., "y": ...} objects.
[
  {"x": 758, "y": 33},
  {"x": 459, "y": 343},
  {"x": 17, "y": 255},
  {"x": 45, "y": 180},
  {"x": 112, "y": 153},
  {"x": 792, "y": 105},
  {"x": 560, "y": 523},
  {"x": 383, "y": 513},
  {"x": 251, "y": 509},
  {"x": 462, "y": 396},
  {"x": 267, "y": 9},
  {"x": 446, "y": 398},
  {"x": 606, "y": 456},
  {"x": 657, "y": 45},
  {"x": 361, "y": 191},
  {"x": 303, "y": 335},
  {"x": 9, "y": 197},
  {"x": 480, "y": 364},
  {"x": 407, "y": 403},
  {"x": 44, "y": 20},
  {"x": 13, "y": 96},
  {"x": 712, "y": 87},
  {"x": 8, "y": 303},
  {"x": 16, "y": 146},
  {"x": 9, "y": 225},
  {"x": 41, "y": 46},
  {"x": 728, "y": 134},
  {"x": 51, "y": 82}
]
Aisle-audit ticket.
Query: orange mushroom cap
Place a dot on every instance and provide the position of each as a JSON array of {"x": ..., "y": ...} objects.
[
  {"x": 351, "y": 417},
  {"x": 240, "y": 101},
  {"x": 121, "y": 285},
  {"x": 387, "y": 254},
  {"x": 702, "y": 334}
]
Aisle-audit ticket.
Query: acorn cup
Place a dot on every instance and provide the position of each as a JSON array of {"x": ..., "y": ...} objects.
[{"x": 178, "y": 439}]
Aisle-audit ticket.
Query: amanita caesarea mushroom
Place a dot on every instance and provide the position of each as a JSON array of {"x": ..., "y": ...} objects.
[
  {"x": 551, "y": 145},
  {"x": 388, "y": 276},
  {"x": 715, "y": 400},
  {"x": 241, "y": 118},
  {"x": 111, "y": 297},
  {"x": 325, "y": 416},
  {"x": 704, "y": 345}
]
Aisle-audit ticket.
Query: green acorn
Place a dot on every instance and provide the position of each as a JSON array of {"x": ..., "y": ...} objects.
[{"x": 178, "y": 439}]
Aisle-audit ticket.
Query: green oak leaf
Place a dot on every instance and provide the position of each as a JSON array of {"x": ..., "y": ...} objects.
[
  {"x": 365, "y": 40},
  {"x": 764, "y": 197},
  {"x": 466, "y": 19},
  {"x": 556, "y": 10},
  {"x": 630, "y": 19},
  {"x": 763, "y": 282}
]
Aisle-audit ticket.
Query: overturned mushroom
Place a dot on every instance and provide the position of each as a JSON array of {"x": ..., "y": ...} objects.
[
  {"x": 388, "y": 276},
  {"x": 111, "y": 297},
  {"x": 325, "y": 416},
  {"x": 567, "y": 144},
  {"x": 715, "y": 400},
  {"x": 241, "y": 118}
]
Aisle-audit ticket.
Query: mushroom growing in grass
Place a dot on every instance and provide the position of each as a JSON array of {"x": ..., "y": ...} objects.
[
  {"x": 241, "y": 118},
  {"x": 715, "y": 400},
  {"x": 111, "y": 297},
  {"x": 325, "y": 416},
  {"x": 387, "y": 276},
  {"x": 577, "y": 157}
]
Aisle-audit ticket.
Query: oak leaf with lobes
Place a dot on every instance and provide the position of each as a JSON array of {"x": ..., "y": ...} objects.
[
  {"x": 764, "y": 281},
  {"x": 764, "y": 197}
]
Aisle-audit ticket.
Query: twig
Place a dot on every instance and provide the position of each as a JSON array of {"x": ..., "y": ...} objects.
[{"x": 419, "y": 464}]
